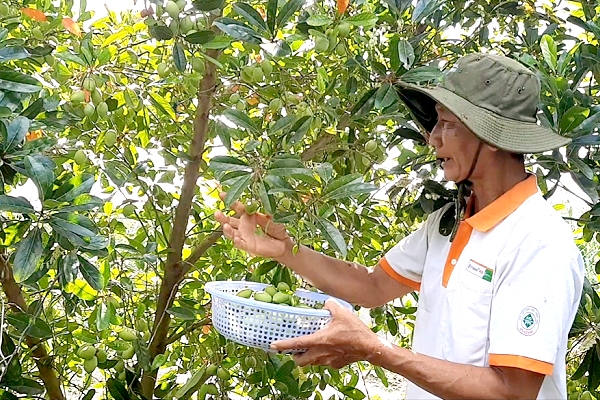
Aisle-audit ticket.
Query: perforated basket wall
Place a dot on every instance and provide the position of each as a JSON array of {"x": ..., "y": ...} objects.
[{"x": 257, "y": 324}]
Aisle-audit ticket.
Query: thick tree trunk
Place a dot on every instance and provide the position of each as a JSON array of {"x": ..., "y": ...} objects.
[
  {"x": 38, "y": 349},
  {"x": 175, "y": 268}
]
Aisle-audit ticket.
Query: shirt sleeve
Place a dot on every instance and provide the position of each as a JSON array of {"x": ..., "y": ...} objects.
[
  {"x": 406, "y": 260},
  {"x": 535, "y": 300}
]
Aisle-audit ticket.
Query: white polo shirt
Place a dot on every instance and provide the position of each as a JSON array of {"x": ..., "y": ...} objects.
[{"x": 503, "y": 293}]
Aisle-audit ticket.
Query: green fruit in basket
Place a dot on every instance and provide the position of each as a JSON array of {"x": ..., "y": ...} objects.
[
  {"x": 283, "y": 287},
  {"x": 223, "y": 374},
  {"x": 318, "y": 306},
  {"x": 303, "y": 306},
  {"x": 245, "y": 293},
  {"x": 211, "y": 370},
  {"x": 271, "y": 290},
  {"x": 263, "y": 296},
  {"x": 280, "y": 297}
]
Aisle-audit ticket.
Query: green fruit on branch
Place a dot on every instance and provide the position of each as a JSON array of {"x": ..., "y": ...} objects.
[
  {"x": 162, "y": 69},
  {"x": 78, "y": 96},
  {"x": 89, "y": 109},
  {"x": 3, "y": 9},
  {"x": 110, "y": 138},
  {"x": 101, "y": 355},
  {"x": 180, "y": 4},
  {"x": 263, "y": 296},
  {"x": 198, "y": 65},
  {"x": 211, "y": 370},
  {"x": 172, "y": 9},
  {"x": 211, "y": 388},
  {"x": 86, "y": 352},
  {"x": 90, "y": 365},
  {"x": 286, "y": 203},
  {"x": 234, "y": 98},
  {"x": 141, "y": 325},
  {"x": 119, "y": 366},
  {"x": 80, "y": 158},
  {"x": 250, "y": 361},
  {"x": 344, "y": 29},
  {"x": 271, "y": 290},
  {"x": 128, "y": 353},
  {"x": 186, "y": 25},
  {"x": 371, "y": 146},
  {"x": 122, "y": 376},
  {"x": 37, "y": 33},
  {"x": 275, "y": 104},
  {"x": 266, "y": 67},
  {"x": 89, "y": 84},
  {"x": 240, "y": 106},
  {"x": 128, "y": 211},
  {"x": 127, "y": 335},
  {"x": 102, "y": 110},
  {"x": 96, "y": 97},
  {"x": 245, "y": 293},
  {"x": 223, "y": 374},
  {"x": 257, "y": 75},
  {"x": 321, "y": 44},
  {"x": 251, "y": 208},
  {"x": 247, "y": 73}
]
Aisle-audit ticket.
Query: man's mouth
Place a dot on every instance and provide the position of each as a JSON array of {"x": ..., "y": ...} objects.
[{"x": 442, "y": 160}]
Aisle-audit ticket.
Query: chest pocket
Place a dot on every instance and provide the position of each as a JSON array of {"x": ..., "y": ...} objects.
[{"x": 466, "y": 325}]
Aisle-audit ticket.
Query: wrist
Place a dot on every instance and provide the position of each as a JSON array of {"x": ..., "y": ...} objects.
[{"x": 287, "y": 251}]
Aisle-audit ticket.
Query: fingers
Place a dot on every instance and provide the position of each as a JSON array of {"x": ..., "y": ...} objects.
[
  {"x": 236, "y": 206},
  {"x": 301, "y": 342}
]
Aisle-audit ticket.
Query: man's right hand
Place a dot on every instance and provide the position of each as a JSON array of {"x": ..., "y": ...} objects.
[{"x": 242, "y": 229}]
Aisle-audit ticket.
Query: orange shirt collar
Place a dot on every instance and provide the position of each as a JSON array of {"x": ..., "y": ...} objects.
[{"x": 503, "y": 206}]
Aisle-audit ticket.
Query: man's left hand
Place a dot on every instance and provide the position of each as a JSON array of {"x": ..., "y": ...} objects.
[{"x": 345, "y": 340}]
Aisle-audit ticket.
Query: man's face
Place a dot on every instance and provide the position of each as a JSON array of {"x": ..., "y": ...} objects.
[{"x": 454, "y": 144}]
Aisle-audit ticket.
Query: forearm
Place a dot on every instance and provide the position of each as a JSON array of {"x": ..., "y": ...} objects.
[
  {"x": 442, "y": 378},
  {"x": 345, "y": 280}
]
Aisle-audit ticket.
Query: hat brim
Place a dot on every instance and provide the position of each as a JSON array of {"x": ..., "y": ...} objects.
[{"x": 500, "y": 132}]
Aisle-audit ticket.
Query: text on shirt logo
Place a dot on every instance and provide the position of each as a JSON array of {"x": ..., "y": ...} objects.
[
  {"x": 529, "y": 321},
  {"x": 479, "y": 270}
]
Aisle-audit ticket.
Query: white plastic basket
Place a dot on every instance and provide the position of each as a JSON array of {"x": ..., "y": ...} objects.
[{"x": 257, "y": 324}]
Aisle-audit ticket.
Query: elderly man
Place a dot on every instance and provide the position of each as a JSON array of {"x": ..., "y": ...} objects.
[{"x": 497, "y": 295}]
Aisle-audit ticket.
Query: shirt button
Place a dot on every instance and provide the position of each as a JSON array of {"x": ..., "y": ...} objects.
[{"x": 453, "y": 262}]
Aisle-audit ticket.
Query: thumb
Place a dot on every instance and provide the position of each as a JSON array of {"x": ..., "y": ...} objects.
[{"x": 333, "y": 306}]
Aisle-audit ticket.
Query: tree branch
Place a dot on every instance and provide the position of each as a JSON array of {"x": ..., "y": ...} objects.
[
  {"x": 176, "y": 336},
  {"x": 174, "y": 269},
  {"x": 325, "y": 140},
  {"x": 38, "y": 349}
]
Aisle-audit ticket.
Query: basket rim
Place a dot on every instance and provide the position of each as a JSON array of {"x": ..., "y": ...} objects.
[{"x": 213, "y": 289}]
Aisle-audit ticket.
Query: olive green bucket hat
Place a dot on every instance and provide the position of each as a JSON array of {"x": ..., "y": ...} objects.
[{"x": 494, "y": 96}]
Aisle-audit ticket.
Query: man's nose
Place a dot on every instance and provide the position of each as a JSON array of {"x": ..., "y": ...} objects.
[{"x": 435, "y": 136}]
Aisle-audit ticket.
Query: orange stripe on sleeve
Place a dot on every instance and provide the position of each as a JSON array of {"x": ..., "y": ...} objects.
[
  {"x": 405, "y": 281},
  {"x": 529, "y": 364}
]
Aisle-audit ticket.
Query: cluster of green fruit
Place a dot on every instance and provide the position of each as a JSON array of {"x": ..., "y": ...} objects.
[
  {"x": 93, "y": 356},
  {"x": 97, "y": 106},
  {"x": 282, "y": 294},
  {"x": 329, "y": 41},
  {"x": 574, "y": 392},
  {"x": 256, "y": 73}
]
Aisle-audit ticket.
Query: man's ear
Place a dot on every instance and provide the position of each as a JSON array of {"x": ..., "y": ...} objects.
[{"x": 491, "y": 148}]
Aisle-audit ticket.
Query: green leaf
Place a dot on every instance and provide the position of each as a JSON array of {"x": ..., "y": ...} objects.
[
  {"x": 587, "y": 185},
  {"x": 350, "y": 190},
  {"x": 179, "y": 58},
  {"x": 267, "y": 200},
  {"x": 103, "y": 316},
  {"x": 90, "y": 273},
  {"x": 284, "y": 370},
  {"x": 352, "y": 392},
  {"x": 385, "y": 96},
  {"x": 70, "y": 57},
  {"x": 240, "y": 119},
  {"x": 182, "y": 313},
  {"x": 421, "y": 74},
  {"x": 34, "y": 109},
  {"x": 364, "y": 105},
  {"x": 161, "y": 32},
  {"x": 549, "y": 51},
  {"x": 423, "y": 9},
  {"x": 394, "y": 55},
  {"x": 16, "y": 205},
  {"x": 271, "y": 14},
  {"x": 16, "y": 132},
  {"x": 228, "y": 163},
  {"x": 236, "y": 189},
  {"x": 117, "y": 390},
  {"x": 319, "y": 20},
  {"x": 588, "y": 125},
  {"x": 67, "y": 268},
  {"x": 406, "y": 53},
  {"x": 41, "y": 175},
  {"x": 219, "y": 42},
  {"x": 29, "y": 325},
  {"x": 28, "y": 255},
  {"x": 332, "y": 235},
  {"x": 572, "y": 118},
  {"x": 283, "y": 123},
  {"x": 12, "y": 53},
  {"x": 251, "y": 15},
  {"x": 117, "y": 36},
  {"x": 74, "y": 187},
  {"x": 162, "y": 105},
  {"x": 362, "y": 19},
  {"x": 78, "y": 235},
  {"x": 26, "y": 386},
  {"x": 208, "y": 5},
  {"x": 201, "y": 37},
  {"x": 287, "y": 11},
  {"x": 238, "y": 30},
  {"x": 342, "y": 181}
]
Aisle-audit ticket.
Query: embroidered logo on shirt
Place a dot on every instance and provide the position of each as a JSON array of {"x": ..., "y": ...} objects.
[
  {"x": 529, "y": 321},
  {"x": 480, "y": 271}
]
